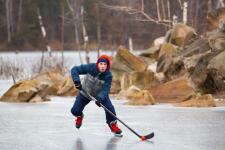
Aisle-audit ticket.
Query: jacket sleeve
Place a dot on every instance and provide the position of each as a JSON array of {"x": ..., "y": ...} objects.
[
  {"x": 105, "y": 88},
  {"x": 79, "y": 70}
]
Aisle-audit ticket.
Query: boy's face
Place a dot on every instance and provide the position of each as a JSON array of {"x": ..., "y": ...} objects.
[{"x": 102, "y": 66}]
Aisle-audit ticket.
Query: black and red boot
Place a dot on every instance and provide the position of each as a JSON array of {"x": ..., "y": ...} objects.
[
  {"x": 78, "y": 121},
  {"x": 114, "y": 128}
]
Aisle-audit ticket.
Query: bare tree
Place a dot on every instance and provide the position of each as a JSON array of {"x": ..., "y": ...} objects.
[
  {"x": 9, "y": 19},
  {"x": 142, "y": 5},
  {"x": 185, "y": 7},
  {"x": 163, "y": 9},
  {"x": 20, "y": 10},
  {"x": 214, "y": 4},
  {"x": 140, "y": 14},
  {"x": 158, "y": 10},
  {"x": 62, "y": 34},
  {"x": 75, "y": 9},
  {"x": 181, "y": 3},
  {"x": 43, "y": 31},
  {"x": 168, "y": 10},
  {"x": 220, "y": 3},
  {"x": 98, "y": 25},
  {"x": 85, "y": 36}
]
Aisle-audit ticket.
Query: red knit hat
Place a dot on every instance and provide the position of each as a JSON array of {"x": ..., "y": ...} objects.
[{"x": 104, "y": 58}]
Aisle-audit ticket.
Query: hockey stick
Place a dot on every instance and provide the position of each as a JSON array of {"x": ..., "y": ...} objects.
[{"x": 146, "y": 137}]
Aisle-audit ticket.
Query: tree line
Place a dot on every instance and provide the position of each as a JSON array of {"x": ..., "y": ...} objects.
[{"x": 95, "y": 24}]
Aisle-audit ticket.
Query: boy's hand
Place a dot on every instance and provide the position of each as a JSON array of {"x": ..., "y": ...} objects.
[
  {"x": 78, "y": 85},
  {"x": 98, "y": 103}
]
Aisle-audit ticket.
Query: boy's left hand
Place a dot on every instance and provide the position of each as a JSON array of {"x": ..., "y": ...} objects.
[{"x": 98, "y": 103}]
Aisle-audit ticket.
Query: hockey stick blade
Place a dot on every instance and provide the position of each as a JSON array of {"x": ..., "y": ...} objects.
[{"x": 147, "y": 137}]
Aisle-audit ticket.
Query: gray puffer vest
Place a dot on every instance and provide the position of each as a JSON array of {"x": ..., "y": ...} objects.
[{"x": 92, "y": 85}]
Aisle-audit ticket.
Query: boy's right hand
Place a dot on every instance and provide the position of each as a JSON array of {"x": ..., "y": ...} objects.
[
  {"x": 78, "y": 85},
  {"x": 98, "y": 103}
]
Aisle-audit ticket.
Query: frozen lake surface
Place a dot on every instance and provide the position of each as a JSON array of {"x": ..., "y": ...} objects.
[{"x": 50, "y": 126}]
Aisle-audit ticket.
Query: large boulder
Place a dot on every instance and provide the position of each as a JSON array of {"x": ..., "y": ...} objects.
[
  {"x": 148, "y": 61},
  {"x": 53, "y": 78},
  {"x": 26, "y": 91},
  {"x": 136, "y": 96},
  {"x": 173, "y": 91},
  {"x": 167, "y": 50},
  {"x": 127, "y": 62},
  {"x": 67, "y": 88},
  {"x": 142, "y": 97},
  {"x": 166, "y": 53},
  {"x": 36, "y": 89},
  {"x": 208, "y": 74},
  {"x": 115, "y": 87},
  {"x": 199, "y": 46},
  {"x": 216, "y": 38},
  {"x": 218, "y": 63},
  {"x": 199, "y": 101},
  {"x": 124, "y": 66},
  {"x": 141, "y": 80},
  {"x": 37, "y": 99},
  {"x": 159, "y": 41},
  {"x": 169, "y": 63},
  {"x": 152, "y": 52},
  {"x": 214, "y": 17},
  {"x": 125, "y": 81},
  {"x": 116, "y": 82},
  {"x": 201, "y": 60},
  {"x": 205, "y": 70},
  {"x": 219, "y": 98},
  {"x": 176, "y": 64},
  {"x": 180, "y": 34},
  {"x": 126, "y": 94}
]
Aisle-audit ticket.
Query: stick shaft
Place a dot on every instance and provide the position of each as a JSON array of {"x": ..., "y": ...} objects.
[
  {"x": 106, "y": 109},
  {"x": 120, "y": 120}
]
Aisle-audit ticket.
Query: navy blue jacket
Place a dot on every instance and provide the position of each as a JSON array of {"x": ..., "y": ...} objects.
[{"x": 93, "y": 71}]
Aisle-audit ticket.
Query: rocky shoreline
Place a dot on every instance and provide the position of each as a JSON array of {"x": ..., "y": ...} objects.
[{"x": 182, "y": 67}]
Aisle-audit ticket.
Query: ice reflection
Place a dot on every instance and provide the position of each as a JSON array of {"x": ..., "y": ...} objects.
[
  {"x": 79, "y": 144},
  {"x": 110, "y": 145}
]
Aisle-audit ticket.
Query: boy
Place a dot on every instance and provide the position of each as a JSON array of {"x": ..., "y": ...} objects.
[{"x": 97, "y": 83}]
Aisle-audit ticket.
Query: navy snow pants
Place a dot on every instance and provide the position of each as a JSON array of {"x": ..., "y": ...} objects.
[{"x": 81, "y": 102}]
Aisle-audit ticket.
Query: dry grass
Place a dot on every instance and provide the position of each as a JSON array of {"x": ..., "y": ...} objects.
[
  {"x": 8, "y": 68},
  {"x": 49, "y": 63},
  {"x": 26, "y": 68}
]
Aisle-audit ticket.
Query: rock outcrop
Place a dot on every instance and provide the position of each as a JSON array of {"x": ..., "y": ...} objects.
[
  {"x": 129, "y": 70},
  {"x": 201, "y": 60},
  {"x": 67, "y": 88},
  {"x": 174, "y": 91},
  {"x": 26, "y": 91},
  {"x": 180, "y": 34},
  {"x": 208, "y": 74},
  {"x": 214, "y": 17},
  {"x": 126, "y": 62},
  {"x": 136, "y": 96},
  {"x": 142, "y": 97},
  {"x": 36, "y": 89},
  {"x": 199, "y": 101},
  {"x": 53, "y": 78}
]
